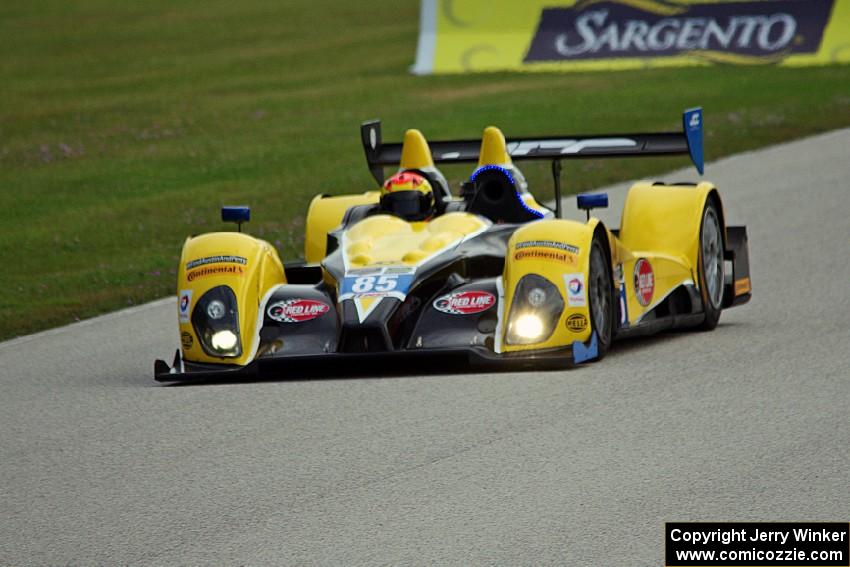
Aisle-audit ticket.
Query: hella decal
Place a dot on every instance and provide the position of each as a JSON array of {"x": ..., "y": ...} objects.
[
  {"x": 297, "y": 310},
  {"x": 465, "y": 302},
  {"x": 644, "y": 281},
  {"x": 577, "y": 323}
]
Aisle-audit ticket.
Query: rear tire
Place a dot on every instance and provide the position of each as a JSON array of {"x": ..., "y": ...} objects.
[
  {"x": 601, "y": 295},
  {"x": 711, "y": 264}
]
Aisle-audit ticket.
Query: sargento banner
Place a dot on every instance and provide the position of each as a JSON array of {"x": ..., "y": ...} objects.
[{"x": 459, "y": 36}]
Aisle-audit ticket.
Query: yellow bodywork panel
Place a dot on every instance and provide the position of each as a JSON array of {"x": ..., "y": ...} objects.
[
  {"x": 661, "y": 224},
  {"x": 493, "y": 148},
  {"x": 665, "y": 219},
  {"x": 324, "y": 215},
  {"x": 415, "y": 153},
  {"x": 389, "y": 240},
  {"x": 667, "y": 273},
  {"x": 558, "y": 250},
  {"x": 249, "y": 266}
]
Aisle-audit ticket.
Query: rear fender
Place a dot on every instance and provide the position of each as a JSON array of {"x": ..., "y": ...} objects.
[
  {"x": 250, "y": 267},
  {"x": 558, "y": 250},
  {"x": 665, "y": 219}
]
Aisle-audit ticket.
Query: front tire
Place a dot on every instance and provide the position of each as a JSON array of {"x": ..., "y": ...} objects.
[
  {"x": 601, "y": 295},
  {"x": 711, "y": 264}
]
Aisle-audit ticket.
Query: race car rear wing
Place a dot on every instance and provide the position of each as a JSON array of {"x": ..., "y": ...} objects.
[{"x": 556, "y": 148}]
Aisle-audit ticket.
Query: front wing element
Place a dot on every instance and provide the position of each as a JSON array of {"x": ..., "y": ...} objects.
[{"x": 393, "y": 362}]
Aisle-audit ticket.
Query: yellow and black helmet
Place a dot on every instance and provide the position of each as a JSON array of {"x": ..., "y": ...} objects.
[{"x": 408, "y": 195}]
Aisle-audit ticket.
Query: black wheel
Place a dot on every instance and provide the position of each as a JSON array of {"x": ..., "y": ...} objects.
[
  {"x": 601, "y": 295},
  {"x": 711, "y": 264}
]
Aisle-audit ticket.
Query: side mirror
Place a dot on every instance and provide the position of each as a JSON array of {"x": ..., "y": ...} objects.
[
  {"x": 588, "y": 201},
  {"x": 238, "y": 215}
]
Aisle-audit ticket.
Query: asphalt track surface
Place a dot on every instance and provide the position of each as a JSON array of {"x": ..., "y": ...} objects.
[{"x": 100, "y": 465}]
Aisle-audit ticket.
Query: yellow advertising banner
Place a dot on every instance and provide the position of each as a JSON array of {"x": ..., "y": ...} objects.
[{"x": 460, "y": 36}]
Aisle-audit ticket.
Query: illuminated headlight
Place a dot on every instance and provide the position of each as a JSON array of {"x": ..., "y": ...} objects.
[
  {"x": 528, "y": 327},
  {"x": 216, "y": 322},
  {"x": 223, "y": 341},
  {"x": 536, "y": 308}
]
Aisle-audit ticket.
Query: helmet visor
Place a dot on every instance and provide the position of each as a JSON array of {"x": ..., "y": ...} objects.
[{"x": 411, "y": 205}]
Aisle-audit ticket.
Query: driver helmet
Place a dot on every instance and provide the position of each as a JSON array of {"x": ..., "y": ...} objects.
[{"x": 408, "y": 195}]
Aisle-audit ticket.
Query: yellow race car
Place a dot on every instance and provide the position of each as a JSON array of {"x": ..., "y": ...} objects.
[{"x": 487, "y": 278}]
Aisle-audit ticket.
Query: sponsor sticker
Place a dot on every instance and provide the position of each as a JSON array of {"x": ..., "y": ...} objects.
[
  {"x": 187, "y": 340},
  {"x": 214, "y": 270},
  {"x": 297, "y": 310},
  {"x": 693, "y": 123},
  {"x": 577, "y": 323},
  {"x": 217, "y": 260},
  {"x": 576, "y": 292},
  {"x": 547, "y": 244},
  {"x": 184, "y": 305},
  {"x": 644, "y": 281},
  {"x": 465, "y": 302},
  {"x": 544, "y": 253}
]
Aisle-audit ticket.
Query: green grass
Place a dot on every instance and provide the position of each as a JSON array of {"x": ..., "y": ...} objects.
[{"x": 124, "y": 126}]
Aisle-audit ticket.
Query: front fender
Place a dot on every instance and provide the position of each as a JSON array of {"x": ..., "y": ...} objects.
[
  {"x": 250, "y": 267},
  {"x": 558, "y": 250}
]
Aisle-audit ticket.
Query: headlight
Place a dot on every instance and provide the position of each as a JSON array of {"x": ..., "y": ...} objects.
[
  {"x": 216, "y": 309},
  {"x": 535, "y": 311},
  {"x": 536, "y": 297},
  {"x": 223, "y": 341},
  {"x": 216, "y": 322},
  {"x": 528, "y": 327}
]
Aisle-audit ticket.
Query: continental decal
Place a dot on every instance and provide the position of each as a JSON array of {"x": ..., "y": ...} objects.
[
  {"x": 217, "y": 260},
  {"x": 581, "y": 35},
  {"x": 214, "y": 270},
  {"x": 577, "y": 323},
  {"x": 617, "y": 29},
  {"x": 547, "y": 254}
]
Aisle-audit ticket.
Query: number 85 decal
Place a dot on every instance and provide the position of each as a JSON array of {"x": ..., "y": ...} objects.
[
  {"x": 387, "y": 284},
  {"x": 365, "y": 284}
]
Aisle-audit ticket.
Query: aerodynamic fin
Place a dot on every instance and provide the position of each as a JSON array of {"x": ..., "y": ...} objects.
[
  {"x": 415, "y": 153},
  {"x": 494, "y": 149}
]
